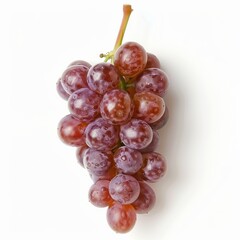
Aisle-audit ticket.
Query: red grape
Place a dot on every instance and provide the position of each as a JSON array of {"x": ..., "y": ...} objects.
[
  {"x": 124, "y": 188},
  {"x": 74, "y": 78},
  {"x": 152, "y": 61},
  {"x": 146, "y": 199},
  {"x": 127, "y": 160},
  {"x": 162, "y": 121},
  {"x": 148, "y": 106},
  {"x": 71, "y": 130},
  {"x": 108, "y": 175},
  {"x": 60, "y": 90},
  {"x": 80, "y": 62},
  {"x": 103, "y": 77},
  {"x": 152, "y": 80},
  {"x": 99, "y": 194},
  {"x": 136, "y": 134},
  {"x": 102, "y": 135},
  {"x": 130, "y": 59},
  {"x": 85, "y": 104},
  {"x": 121, "y": 218},
  {"x": 116, "y": 106},
  {"x": 152, "y": 146},
  {"x": 80, "y": 153}
]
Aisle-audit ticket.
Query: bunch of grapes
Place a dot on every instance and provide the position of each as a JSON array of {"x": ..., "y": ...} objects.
[{"x": 115, "y": 110}]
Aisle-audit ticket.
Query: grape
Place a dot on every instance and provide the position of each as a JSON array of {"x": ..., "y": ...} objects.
[
  {"x": 102, "y": 135},
  {"x": 121, "y": 218},
  {"x": 136, "y": 134},
  {"x": 80, "y": 62},
  {"x": 146, "y": 199},
  {"x": 127, "y": 160},
  {"x": 130, "y": 59},
  {"x": 71, "y": 130},
  {"x": 97, "y": 162},
  {"x": 152, "y": 61},
  {"x": 124, "y": 188},
  {"x": 152, "y": 80},
  {"x": 162, "y": 121},
  {"x": 99, "y": 194},
  {"x": 116, "y": 106},
  {"x": 111, "y": 173},
  {"x": 148, "y": 106},
  {"x": 152, "y": 146},
  {"x": 85, "y": 104},
  {"x": 154, "y": 168},
  {"x": 60, "y": 90},
  {"x": 80, "y": 153},
  {"x": 103, "y": 77},
  {"x": 74, "y": 78}
]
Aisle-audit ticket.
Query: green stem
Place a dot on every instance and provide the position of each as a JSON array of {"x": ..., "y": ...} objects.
[
  {"x": 127, "y": 10},
  {"x": 122, "y": 84}
]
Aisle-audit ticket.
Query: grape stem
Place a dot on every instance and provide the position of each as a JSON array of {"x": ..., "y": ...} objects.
[{"x": 127, "y": 10}]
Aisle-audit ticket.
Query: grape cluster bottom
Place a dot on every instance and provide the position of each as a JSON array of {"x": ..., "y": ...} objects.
[{"x": 115, "y": 110}]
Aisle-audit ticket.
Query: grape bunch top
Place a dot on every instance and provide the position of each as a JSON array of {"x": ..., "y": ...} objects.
[{"x": 116, "y": 108}]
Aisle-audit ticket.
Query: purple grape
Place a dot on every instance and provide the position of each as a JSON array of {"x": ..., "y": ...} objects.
[
  {"x": 127, "y": 160},
  {"x": 80, "y": 62},
  {"x": 146, "y": 199},
  {"x": 154, "y": 166},
  {"x": 60, "y": 90},
  {"x": 80, "y": 153},
  {"x": 111, "y": 173},
  {"x": 124, "y": 188},
  {"x": 136, "y": 134},
  {"x": 103, "y": 77},
  {"x": 85, "y": 104},
  {"x": 74, "y": 78},
  {"x": 152, "y": 80},
  {"x": 102, "y": 135},
  {"x": 97, "y": 162}
]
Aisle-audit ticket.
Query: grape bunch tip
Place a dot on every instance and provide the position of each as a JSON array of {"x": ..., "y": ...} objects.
[{"x": 116, "y": 108}]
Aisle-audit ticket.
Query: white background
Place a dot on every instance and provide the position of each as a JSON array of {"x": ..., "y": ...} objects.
[{"x": 44, "y": 190}]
